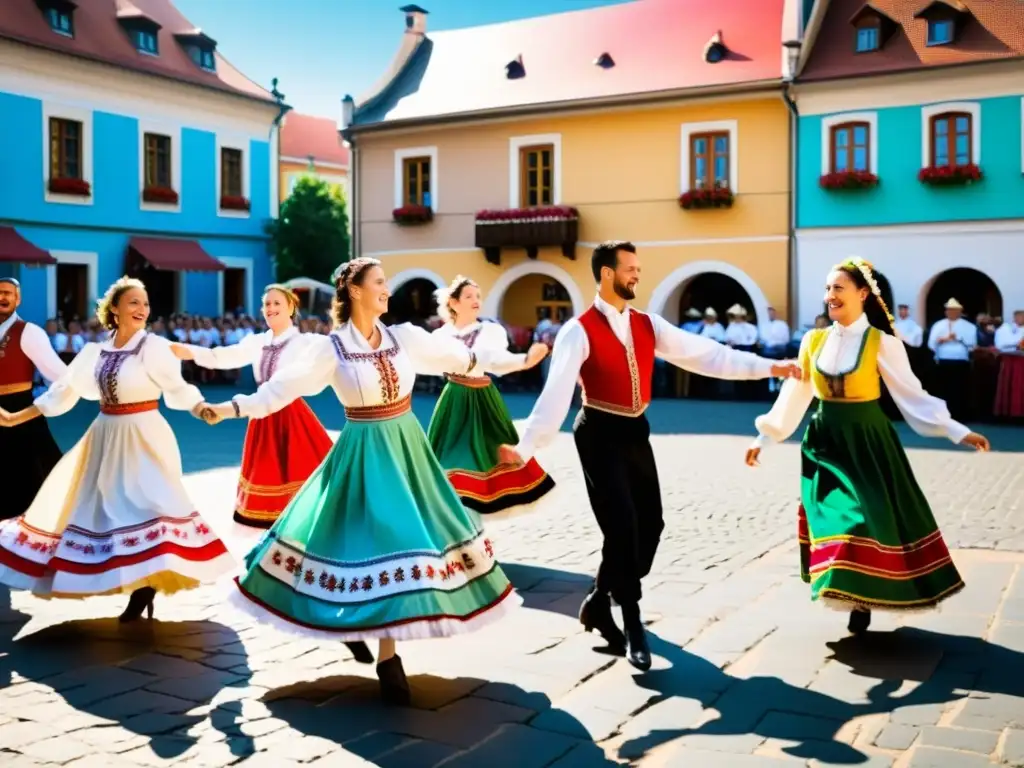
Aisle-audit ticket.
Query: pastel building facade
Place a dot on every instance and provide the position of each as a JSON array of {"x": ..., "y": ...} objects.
[
  {"x": 312, "y": 146},
  {"x": 130, "y": 146}
]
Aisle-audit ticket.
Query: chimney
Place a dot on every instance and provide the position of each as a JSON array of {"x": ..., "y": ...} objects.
[
  {"x": 348, "y": 109},
  {"x": 415, "y": 19}
]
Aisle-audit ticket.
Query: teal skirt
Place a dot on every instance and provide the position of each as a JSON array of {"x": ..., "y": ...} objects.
[
  {"x": 867, "y": 535},
  {"x": 376, "y": 544}
]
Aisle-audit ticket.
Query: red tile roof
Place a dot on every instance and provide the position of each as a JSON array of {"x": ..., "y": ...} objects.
[
  {"x": 656, "y": 45},
  {"x": 305, "y": 135},
  {"x": 993, "y": 30},
  {"x": 100, "y": 36}
]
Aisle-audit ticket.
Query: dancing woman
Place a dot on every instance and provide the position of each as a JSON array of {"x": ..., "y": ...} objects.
[
  {"x": 114, "y": 516},
  {"x": 868, "y": 539},
  {"x": 470, "y": 420},
  {"x": 376, "y": 544},
  {"x": 282, "y": 450}
]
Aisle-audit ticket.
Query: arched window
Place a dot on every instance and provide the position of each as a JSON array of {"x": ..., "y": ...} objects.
[
  {"x": 952, "y": 139},
  {"x": 851, "y": 147}
]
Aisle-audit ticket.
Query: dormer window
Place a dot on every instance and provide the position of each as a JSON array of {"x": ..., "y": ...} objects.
[
  {"x": 941, "y": 31},
  {"x": 59, "y": 15},
  {"x": 200, "y": 47},
  {"x": 203, "y": 58},
  {"x": 145, "y": 41},
  {"x": 945, "y": 19},
  {"x": 867, "y": 39},
  {"x": 141, "y": 29},
  {"x": 872, "y": 28}
]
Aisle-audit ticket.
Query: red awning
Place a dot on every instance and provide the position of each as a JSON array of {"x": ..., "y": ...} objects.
[
  {"x": 15, "y": 248},
  {"x": 176, "y": 255}
]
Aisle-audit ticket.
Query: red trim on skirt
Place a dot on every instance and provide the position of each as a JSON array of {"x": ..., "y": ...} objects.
[{"x": 502, "y": 480}]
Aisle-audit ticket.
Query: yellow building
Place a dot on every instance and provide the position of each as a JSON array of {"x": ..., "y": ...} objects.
[
  {"x": 617, "y": 114},
  {"x": 312, "y": 146}
]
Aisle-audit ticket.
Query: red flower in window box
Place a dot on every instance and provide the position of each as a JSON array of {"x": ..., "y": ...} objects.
[
  {"x": 520, "y": 215},
  {"x": 234, "y": 203},
  {"x": 155, "y": 194},
  {"x": 66, "y": 186},
  {"x": 848, "y": 180},
  {"x": 950, "y": 175},
  {"x": 708, "y": 197},
  {"x": 413, "y": 214}
]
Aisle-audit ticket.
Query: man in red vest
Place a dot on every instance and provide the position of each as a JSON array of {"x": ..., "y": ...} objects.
[
  {"x": 29, "y": 450},
  {"x": 610, "y": 349}
]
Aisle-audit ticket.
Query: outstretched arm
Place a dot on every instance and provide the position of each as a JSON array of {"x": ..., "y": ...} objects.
[
  {"x": 75, "y": 382},
  {"x": 36, "y": 345},
  {"x": 435, "y": 354},
  {"x": 304, "y": 378},
  {"x": 165, "y": 369},
  {"x": 789, "y": 408},
  {"x": 707, "y": 357},
  {"x": 228, "y": 358}
]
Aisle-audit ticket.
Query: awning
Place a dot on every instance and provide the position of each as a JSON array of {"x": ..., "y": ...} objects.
[
  {"x": 15, "y": 248},
  {"x": 176, "y": 255}
]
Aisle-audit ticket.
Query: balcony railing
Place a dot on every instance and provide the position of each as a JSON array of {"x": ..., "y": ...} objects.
[{"x": 529, "y": 228}]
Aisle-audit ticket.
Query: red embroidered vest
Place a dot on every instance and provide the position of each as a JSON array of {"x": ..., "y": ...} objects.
[
  {"x": 617, "y": 379},
  {"x": 16, "y": 369}
]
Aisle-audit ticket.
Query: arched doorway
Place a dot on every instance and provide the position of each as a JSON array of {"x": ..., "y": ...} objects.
[
  {"x": 413, "y": 302},
  {"x": 715, "y": 291},
  {"x": 975, "y": 290},
  {"x": 667, "y": 298}
]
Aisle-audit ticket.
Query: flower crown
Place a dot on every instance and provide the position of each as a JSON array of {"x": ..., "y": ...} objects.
[
  {"x": 867, "y": 269},
  {"x": 346, "y": 269}
]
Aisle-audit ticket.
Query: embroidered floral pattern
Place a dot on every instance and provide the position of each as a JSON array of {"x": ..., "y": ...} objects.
[
  {"x": 269, "y": 358},
  {"x": 470, "y": 338},
  {"x": 374, "y": 580},
  {"x": 109, "y": 366},
  {"x": 390, "y": 384}
]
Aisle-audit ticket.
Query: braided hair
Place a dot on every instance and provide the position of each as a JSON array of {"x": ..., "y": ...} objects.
[{"x": 349, "y": 273}]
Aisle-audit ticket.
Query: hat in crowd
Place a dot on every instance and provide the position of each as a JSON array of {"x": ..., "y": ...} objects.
[
  {"x": 710, "y": 312},
  {"x": 737, "y": 311},
  {"x": 902, "y": 306},
  {"x": 953, "y": 304},
  {"x": 693, "y": 312}
]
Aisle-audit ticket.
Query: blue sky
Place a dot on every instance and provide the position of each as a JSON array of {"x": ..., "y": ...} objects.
[{"x": 322, "y": 49}]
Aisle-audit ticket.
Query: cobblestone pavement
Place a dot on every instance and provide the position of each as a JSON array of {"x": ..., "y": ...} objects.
[{"x": 747, "y": 672}]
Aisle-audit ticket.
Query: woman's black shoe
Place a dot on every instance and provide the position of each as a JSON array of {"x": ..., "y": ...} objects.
[
  {"x": 361, "y": 652},
  {"x": 394, "y": 687},
  {"x": 860, "y": 620},
  {"x": 140, "y": 601}
]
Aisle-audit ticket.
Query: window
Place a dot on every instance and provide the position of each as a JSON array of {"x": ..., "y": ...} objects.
[
  {"x": 867, "y": 39},
  {"x": 145, "y": 41},
  {"x": 416, "y": 181},
  {"x": 940, "y": 31},
  {"x": 60, "y": 21},
  {"x": 65, "y": 148},
  {"x": 203, "y": 58},
  {"x": 536, "y": 176},
  {"x": 231, "y": 172},
  {"x": 709, "y": 160},
  {"x": 951, "y": 139},
  {"x": 851, "y": 147},
  {"x": 158, "y": 161}
]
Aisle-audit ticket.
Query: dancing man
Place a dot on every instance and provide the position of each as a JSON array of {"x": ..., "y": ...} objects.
[
  {"x": 611, "y": 348},
  {"x": 29, "y": 450}
]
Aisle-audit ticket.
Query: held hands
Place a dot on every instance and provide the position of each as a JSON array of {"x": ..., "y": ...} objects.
[
  {"x": 536, "y": 353},
  {"x": 787, "y": 369},
  {"x": 977, "y": 442},
  {"x": 182, "y": 352},
  {"x": 213, "y": 414},
  {"x": 507, "y": 454}
]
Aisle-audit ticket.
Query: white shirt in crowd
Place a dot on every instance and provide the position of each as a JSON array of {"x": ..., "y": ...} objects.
[
  {"x": 958, "y": 349},
  {"x": 685, "y": 350},
  {"x": 37, "y": 347},
  {"x": 909, "y": 332},
  {"x": 775, "y": 333},
  {"x": 713, "y": 331},
  {"x": 741, "y": 334},
  {"x": 1008, "y": 337},
  {"x": 926, "y": 415}
]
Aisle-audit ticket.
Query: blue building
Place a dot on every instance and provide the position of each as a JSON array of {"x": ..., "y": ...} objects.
[
  {"x": 129, "y": 146},
  {"x": 910, "y": 151}
]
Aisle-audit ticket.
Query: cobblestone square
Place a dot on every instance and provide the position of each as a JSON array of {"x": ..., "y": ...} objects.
[{"x": 747, "y": 671}]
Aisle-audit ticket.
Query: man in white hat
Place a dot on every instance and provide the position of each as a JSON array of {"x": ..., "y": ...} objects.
[
  {"x": 711, "y": 328},
  {"x": 693, "y": 323},
  {"x": 909, "y": 332},
  {"x": 951, "y": 340},
  {"x": 740, "y": 334}
]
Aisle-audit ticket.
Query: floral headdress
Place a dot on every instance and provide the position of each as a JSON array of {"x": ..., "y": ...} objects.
[
  {"x": 443, "y": 295},
  {"x": 346, "y": 269},
  {"x": 867, "y": 269}
]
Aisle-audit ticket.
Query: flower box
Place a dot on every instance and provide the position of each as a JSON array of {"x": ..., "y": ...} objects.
[
  {"x": 164, "y": 195},
  {"x": 66, "y": 186},
  {"x": 950, "y": 175},
  {"x": 413, "y": 214},
  {"x": 710, "y": 197},
  {"x": 848, "y": 180},
  {"x": 234, "y": 203},
  {"x": 529, "y": 228}
]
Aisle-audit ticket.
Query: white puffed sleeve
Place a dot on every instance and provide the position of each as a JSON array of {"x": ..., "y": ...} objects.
[
  {"x": 229, "y": 358},
  {"x": 495, "y": 341},
  {"x": 77, "y": 381},
  {"x": 790, "y": 406},
  {"x": 309, "y": 375},
  {"x": 435, "y": 354},
  {"x": 165, "y": 369}
]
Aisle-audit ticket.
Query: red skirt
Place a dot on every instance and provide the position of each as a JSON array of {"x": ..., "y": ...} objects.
[{"x": 281, "y": 451}]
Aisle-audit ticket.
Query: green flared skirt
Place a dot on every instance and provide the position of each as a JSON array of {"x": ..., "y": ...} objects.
[
  {"x": 376, "y": 544},
  {"x": 469, "y": 422},
  {"x": 867, "y": 535}
]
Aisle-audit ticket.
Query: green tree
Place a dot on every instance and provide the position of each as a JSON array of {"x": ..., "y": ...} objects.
[{"x": 311, "y": 236}]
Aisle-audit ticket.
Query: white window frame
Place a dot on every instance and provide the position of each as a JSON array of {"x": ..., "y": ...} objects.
[
  {"x": 515, "y": 145},
  {"x": 973, "y": 108},
  {"x": 174, "y": 132},
  {"x": 90, "y": 260},
  {"x": 830, "y": 122},
  {"x": 235, "y": 262},
  {"x": 687, "y": 130},
  {"x": 242, "y": 144},
  {"x": 405, "y": 153},
  {"x": 84, "y": 116}
]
